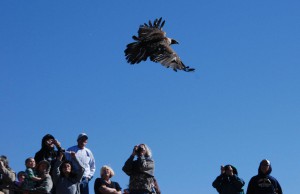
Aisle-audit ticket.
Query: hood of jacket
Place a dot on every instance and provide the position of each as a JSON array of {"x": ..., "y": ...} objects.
[
  {"x": 263, "y": 162},
  {"x": 44, "y": 141}
]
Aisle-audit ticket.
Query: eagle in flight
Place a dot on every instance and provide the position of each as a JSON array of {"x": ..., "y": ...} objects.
[{"x": 152, "y": 42}]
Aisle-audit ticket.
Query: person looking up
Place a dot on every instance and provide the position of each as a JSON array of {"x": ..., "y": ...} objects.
[
  {"x": 104, "y": 185},
  {"x": 66, "y": 178},
  {"x": 228, "y": 181},
  {"x": 47, "y": 151},
  {"x": 140, "y": 171},
  {"x": 46, "y": 184}
]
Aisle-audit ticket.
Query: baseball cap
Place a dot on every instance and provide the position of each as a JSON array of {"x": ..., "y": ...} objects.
[{"x": 81, "y": 135}]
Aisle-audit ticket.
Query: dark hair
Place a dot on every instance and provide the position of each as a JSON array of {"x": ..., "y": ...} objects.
[
  {"x": 234, "y": 170},
  {"x": 20, "y": 174},
  {"x": 72, "y": 173},
  {"x": 263, "y": 162},
  {"x": 46, "y": 138},
  {"x": 27, "y": 160}
]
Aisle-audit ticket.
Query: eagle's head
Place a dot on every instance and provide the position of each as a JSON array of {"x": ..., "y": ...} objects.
[{"x": 171, "y": 41}]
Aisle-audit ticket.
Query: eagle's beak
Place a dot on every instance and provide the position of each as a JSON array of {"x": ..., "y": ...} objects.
[{"x": 174, "y": 42}]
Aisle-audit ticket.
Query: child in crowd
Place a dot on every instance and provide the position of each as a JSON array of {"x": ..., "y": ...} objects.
[
  {"x": 21, "y": 178},
  {"x": 31, "y": 175},
  {"x": 20, "y": 182},
  {"x": 46, "y": 184}
]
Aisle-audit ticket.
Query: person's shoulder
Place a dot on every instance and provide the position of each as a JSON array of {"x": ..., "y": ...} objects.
[
  {"x": 254, "y": 177},
  {"x": 116, "y": 183},
  {"x": 88, "y": 150},
  {"x": 72, "y": 148},
  {"x": 272, "y": 178},
  {"x": 29, "y": 170},
  {"x": 97, "y": 180}
]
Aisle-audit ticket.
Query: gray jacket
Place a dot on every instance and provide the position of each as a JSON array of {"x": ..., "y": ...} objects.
[
  {"x": 8, "y": 176},
  {"x": 141, "y": 172},
  {"x": 46, "y": 184},
  {"x": 67, "y": 185}
]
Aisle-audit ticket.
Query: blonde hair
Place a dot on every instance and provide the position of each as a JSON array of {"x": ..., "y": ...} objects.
[
  {"x": 148, "y": 150},
  {"x": 102, "y": 171}
]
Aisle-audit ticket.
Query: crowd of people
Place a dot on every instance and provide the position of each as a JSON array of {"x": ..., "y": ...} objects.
[{"x": 54, "y": 170}]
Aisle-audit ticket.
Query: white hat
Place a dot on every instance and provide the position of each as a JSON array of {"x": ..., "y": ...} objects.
[{"x": 81, "y": 135}]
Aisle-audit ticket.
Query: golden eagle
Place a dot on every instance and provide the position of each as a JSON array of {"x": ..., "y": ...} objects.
[{"x": 152, "y": 42}]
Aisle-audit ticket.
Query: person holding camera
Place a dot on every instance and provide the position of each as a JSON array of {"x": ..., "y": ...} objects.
[
  {"x": 228, "y": 182},
  {"x": 7, "y": 176},
  {"x": 47, "y": 151},
  {"x": 140, "y": 171}
]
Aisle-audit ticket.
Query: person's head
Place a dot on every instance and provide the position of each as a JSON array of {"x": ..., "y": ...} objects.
[
  {"x": 82, "y": 140},
  {"x": 265, "y": 167},
  {"x": 230, "y": 170},
  {"x": 5, "y": 161},
  {"x": 21, "y": 176},
  {"x": 106, "y": 172},
  {"x": 30, "y": 162},
  {"x": 43, "y": 166},
  {"x": 66, "y": 168},
  {"x": 48, "y": 142},
  {"x": 143, "y": 148}
]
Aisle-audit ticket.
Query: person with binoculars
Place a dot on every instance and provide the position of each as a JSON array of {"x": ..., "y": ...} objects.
[{"x": 140, "y": 171}]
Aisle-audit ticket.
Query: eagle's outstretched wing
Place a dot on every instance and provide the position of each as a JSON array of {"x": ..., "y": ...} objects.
[
  {"x": 152, "y": 32},
  {"x": 169, "y": 58}
]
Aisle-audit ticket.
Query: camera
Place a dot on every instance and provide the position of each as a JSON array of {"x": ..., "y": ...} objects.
[{"x": 139, "y": 150}]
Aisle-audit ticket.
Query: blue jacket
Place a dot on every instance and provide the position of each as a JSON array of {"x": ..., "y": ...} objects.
[
  {"x": 264, "y": 184},
  {"x": 228, "y": 184}
]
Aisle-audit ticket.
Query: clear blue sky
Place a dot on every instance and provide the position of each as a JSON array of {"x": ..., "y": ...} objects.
[{"x": 63, "y": 72}]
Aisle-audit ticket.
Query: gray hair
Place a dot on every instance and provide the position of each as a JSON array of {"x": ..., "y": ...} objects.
[{"x": 148, "y": 150}]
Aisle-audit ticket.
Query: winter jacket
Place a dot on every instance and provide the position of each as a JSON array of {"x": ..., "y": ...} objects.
[
  {"x": 67, "y": 185},
  {"x": 46, "y": 184},
  {"x": 141, "y": 172},
  {"x": 8, "y": 176},
  {"x": 228, "y": 184},
  {"x": 45, "y": 153},
  {"x": 264, "y": 184}
]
